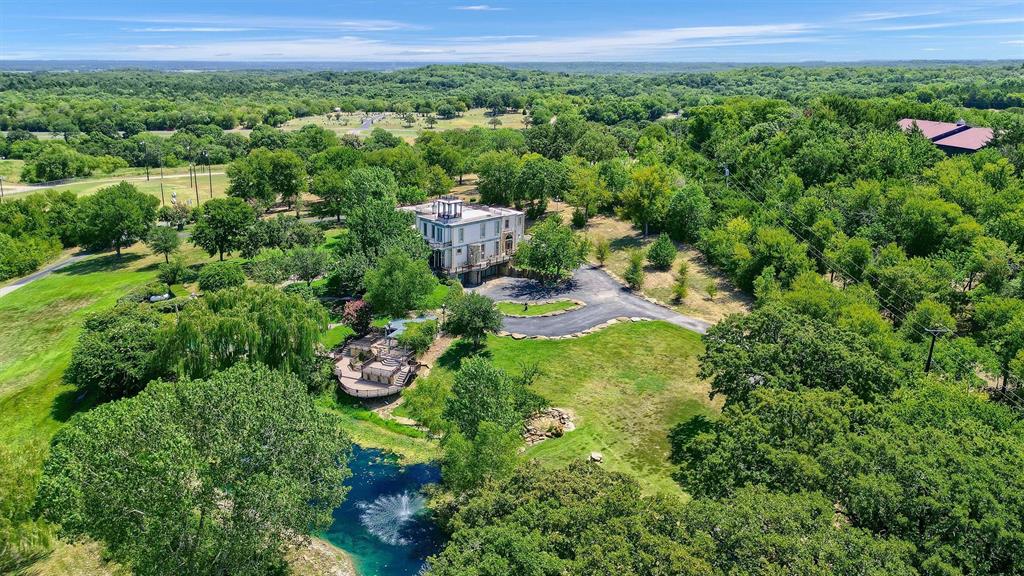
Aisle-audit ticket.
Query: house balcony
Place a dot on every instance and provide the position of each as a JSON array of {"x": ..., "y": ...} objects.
[{"x": 481, "y": 264}]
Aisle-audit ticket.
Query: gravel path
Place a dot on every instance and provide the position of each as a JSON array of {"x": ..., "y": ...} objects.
[{"x": 605, "y": 299}]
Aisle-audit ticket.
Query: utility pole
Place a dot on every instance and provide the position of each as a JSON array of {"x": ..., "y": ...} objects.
[
  {"x": 191, "y": 173},
  {"x": 1, "y": 189},
  {"x": 725, "y": 169},
  {"x": 931, "y": 348},
  {"x": 145, "y": 157},
  {"x": 162, "y": 203},
  {"x": 209, "y": 174}
]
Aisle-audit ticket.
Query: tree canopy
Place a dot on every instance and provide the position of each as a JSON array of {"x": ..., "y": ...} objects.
[{"x": 171, "y": 480}]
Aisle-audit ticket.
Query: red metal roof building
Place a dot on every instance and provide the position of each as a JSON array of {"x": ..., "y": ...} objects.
[{"x": 952, "y": 138}]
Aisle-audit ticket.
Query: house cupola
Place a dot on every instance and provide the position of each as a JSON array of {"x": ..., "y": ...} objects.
[{"x": 448, "y": 207}]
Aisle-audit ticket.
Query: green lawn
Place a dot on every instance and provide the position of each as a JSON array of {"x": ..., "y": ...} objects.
[
  {"x": 41, "y": 322},
  {"x": 516, "y": 308},
  {"x": 335, "y": 336},
  {"x": 10, "y": 170},
  {"x": 628, "y": 385}
]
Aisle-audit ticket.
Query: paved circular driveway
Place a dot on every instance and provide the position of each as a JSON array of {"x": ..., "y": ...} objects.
[{"x": 604, "y": 298}]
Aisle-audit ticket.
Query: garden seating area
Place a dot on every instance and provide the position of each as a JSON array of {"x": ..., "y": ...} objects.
[{"x": 374, "y": 366}]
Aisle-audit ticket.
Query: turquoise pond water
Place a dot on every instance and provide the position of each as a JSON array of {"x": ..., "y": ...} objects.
[{"x": 383, "y": 524}]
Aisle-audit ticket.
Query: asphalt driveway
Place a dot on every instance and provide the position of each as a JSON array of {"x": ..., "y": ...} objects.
[{"x": 604, "y": 298}]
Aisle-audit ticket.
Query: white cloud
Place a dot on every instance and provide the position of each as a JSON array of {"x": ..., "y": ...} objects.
[
  {"x": 171, "y": 29},
  {"x": 1013, "y": 42},
  {"x": 948, "y": 24},
  {"x": 635, "y": 44},
  {"x": 877, "y": 16},
  {"x": 283, "y": 23},
  {"x": 479, "y": 8}
]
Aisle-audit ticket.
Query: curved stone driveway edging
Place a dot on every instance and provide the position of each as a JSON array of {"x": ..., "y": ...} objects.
[
  {"x": 591, "y": 330},
  {"x": 576, "y": 305}
]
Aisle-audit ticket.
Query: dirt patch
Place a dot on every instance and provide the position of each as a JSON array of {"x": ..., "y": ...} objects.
[{"x": 320, "y": 558}]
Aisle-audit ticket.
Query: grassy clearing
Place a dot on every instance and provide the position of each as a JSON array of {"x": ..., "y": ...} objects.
[
  {"x": 10, "y": 170},
  {"x": 397, "y": 126},
  {"x": 516, "y": 308},
  {"x": 628, "y": 385}
]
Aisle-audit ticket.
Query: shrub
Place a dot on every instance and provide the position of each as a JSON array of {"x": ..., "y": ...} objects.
[
  {"x": 174, "y": 271},
  {"x": 579, "y": 218},
  {"x": 116, "y": 355},
  {"x": 635, "y": 274},
  {"x": 662, "y": 253},
  {"x": 711, "y": 289},
  {"x": 682, "y": 285},
  {"x": 418, "y": 336},
  {"x": 602, "y": 250},
  {"x": 357, "y": 315},
  {"x": 220, "y": 275}
]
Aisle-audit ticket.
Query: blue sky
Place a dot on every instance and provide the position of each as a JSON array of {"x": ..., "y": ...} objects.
[{"x": 511, "y": 30}]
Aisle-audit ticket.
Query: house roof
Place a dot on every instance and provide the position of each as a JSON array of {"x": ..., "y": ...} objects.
[
  {"x": 470, "y": 213},
  {"x": 951, "y": 135},
  {"x": 970, "y": 139}
]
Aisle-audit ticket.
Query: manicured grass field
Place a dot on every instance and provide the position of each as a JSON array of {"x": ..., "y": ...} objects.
[
  {"x": 175, "y": 181},
  {"x": 628, "y": 385},
  {"x": 516, "y": 308}
]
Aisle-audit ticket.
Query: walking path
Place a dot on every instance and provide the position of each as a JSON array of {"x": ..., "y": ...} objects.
[
  {"x": 605, "y": 300},
  {"x": 42, "y": 273}
]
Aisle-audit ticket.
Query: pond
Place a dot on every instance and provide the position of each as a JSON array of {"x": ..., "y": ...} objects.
[{"x": 383, "y": 523}]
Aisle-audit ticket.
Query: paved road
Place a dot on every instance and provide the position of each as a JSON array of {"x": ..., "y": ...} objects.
[
  {"x": 367, "y": 124},
  {"x": 604, "y": 298},
  {"x": 42, "y": 273}
]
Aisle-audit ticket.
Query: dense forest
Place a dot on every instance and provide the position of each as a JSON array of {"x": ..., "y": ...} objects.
[{"x": 866, "y": 250}]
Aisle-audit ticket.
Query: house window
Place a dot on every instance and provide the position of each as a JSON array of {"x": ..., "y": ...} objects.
[
  {"x": 461, "y": 234},
  {"x": 496, "y": 248},
  {"x": 497, "y": 227},
  {"x": 483, "y": 229},
  {"x": 506, "y": 223},
  {"x": 425, "y": 229}
]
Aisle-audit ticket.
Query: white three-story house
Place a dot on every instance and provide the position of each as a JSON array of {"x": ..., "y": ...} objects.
[{"x": 469, "y": 242}]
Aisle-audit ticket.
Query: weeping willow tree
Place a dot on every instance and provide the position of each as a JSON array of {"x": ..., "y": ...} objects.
[{"x": 256, "y": 324}]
